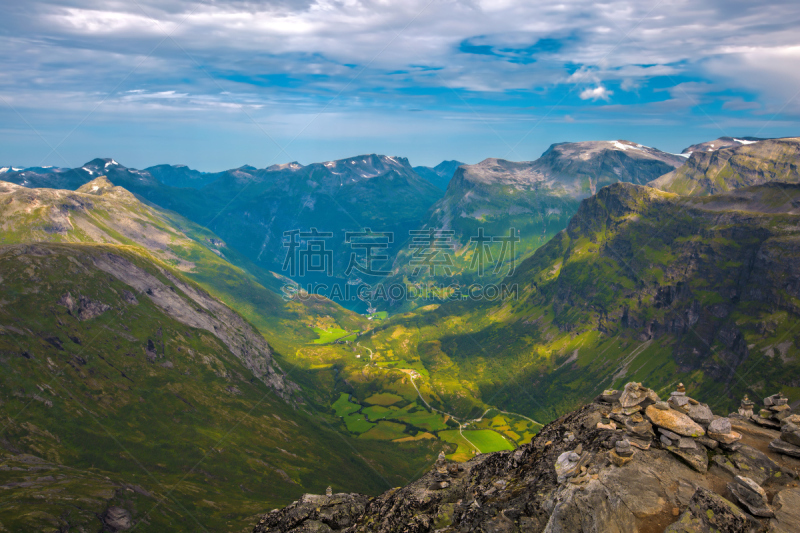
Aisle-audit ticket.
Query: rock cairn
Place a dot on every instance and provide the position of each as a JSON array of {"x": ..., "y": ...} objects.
[
  {"x": 682, "y": 425},
  {"x": 746, "y": 407},
  {"x": 775, "y": 409},
  {"x": 443, "y": 472},
  {"x": 789, "y": 441}
]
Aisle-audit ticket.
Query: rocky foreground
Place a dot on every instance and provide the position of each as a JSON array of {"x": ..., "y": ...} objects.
[{"x": 626, "y": 462}]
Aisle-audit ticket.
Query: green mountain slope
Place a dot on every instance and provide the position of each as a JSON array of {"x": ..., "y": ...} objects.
[
  {"x": 642, "y": 285},
  {"x": 99, "y": 212},
  {"x": 132, "y": 387},
  {"x": 251, "y": 209},
  {"x": 726, "y": 169}
]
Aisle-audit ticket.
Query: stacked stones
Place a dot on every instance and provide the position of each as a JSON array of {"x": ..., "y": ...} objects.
[
  {"x": 622, "y": 452},
  {"x": 443, "y": 472},
  {"x": 776, "y": 408},
  {"x": 626, "y": 410},
  {"x": 746, "y": 407},
  {"x": 625, "y": 414},
  {"x": 721, "y": 431},
  {"x": 789, "y": 441}
]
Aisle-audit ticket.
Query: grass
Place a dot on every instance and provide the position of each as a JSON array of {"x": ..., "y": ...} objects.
[
  {"x": 464, "y": 450},
  {"x": 343, "y": 406},
  {"x": 329, "y": 335},
  {"x": 385, "y": 431},
  {"x": 488, "y": 441},
  {"x": 383, "y": 398}
]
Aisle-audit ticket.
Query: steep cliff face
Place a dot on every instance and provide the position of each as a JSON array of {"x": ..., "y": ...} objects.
[
  {"x": 626, "y": 462},
  {"x": 739, "y": 165}
]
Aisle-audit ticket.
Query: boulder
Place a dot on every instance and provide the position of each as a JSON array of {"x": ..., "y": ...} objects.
[
  {"x": 675, "y": 422},
  {"x": 634, "y": 394},
  {"x": 566, "y": 465},
  {"x": 720, "y": 425},
  {"x": 725, "y": 438},
  {"x": 753, "y": 464},
  {"x": 669, "y": 434},
  {"x": 751, "y": 496},
  {"x": 317, "y": 513},
  {"x": 790, "y": 433},
  {"x": 786, "y": 505},
  {"x": 117, "y": 518},
  {"x": 701, "y": 413},
  {"x": 709, "y": 512},
  {"x": 785, "y": 448},
  {"x": 696, "y": 457}
]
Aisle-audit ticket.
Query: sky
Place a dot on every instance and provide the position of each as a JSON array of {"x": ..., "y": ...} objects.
[{"x": 218, "y": 84}]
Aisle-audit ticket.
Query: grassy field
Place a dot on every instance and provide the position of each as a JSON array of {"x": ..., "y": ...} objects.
[
  {"x": 329, "y": 335},
  {"x": 464, "y": 451},
  {"x": 343, "y": 406},
  {"x": 488, "y": 441},
  {"x": 384, "y": 398},
  {"x": 386, "y": 431}
]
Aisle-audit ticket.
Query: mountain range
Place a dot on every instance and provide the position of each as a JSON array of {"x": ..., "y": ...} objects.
[{"x": 137, "y": 318}]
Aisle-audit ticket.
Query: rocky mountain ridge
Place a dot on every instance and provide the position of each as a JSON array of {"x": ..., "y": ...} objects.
[
  {"x": 626, "y": 462},
  {"x": 733, "y": 167},
  {"x": 535, "y": 198}
]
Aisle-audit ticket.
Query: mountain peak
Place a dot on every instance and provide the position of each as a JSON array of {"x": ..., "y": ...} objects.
[{"x": 722, "y": 142}]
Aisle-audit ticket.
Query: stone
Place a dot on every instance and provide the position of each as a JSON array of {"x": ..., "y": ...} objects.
[
  {"x": 566, "y": 465},
  {"x": 708, "y": 512},
  {"x": 696, "y": 458},
  {"x": 438, "y": 485},
  {"x": 765, "y": 422},
  {"x": 765, "y": 413},
  {"x": 610, "y": 425},
  {"x": 619, "y": 460},
  {"x": 785, "y": 448},
  {"x": 610, "y": 396},
  {"x": 631, "y": 410},
  {"x": 679, "y": 402},
  {"x": 634, "y": 394},
  {"x": 700, "y": 413},
  {"x": 623, "y": 448},
  {"x": 792, "y": 418},
  {"x": 768, "y": 401},
  {"x": 642, "y": 429},
  {"x": 681, "y": 388},
  {"x": 328, "y": 492},
  {"x": 748, "y": 461},
  {"x": 686, "y": 443},
  {"x": 664, "y": 406},
  {"x": 725, "y": 438},
  {"x": 720, "y": 425},
  {"x": 786, "y": 505},
  {"x": 751, "y": 496},
  {"x": 735, "y": 446},
  {"x": 708, "y": 443},
  {"x": 669, "y": 434},
  {"x": 790, "y": 433},
  {"x": 675, "y": 422},
  {"x": 666, "y": 441},
  {"x": 117, "y": 518},
  {"x": 780, "y": 408}
]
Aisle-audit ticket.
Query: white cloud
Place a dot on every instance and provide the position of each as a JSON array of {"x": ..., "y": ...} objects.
[{"x": 596, "y": 93}]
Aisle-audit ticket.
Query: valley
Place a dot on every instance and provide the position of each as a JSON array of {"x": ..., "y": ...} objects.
[{"x": 212, "y": 392}]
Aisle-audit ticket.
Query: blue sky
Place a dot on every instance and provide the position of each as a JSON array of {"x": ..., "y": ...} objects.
[{"x": 219, "y": 84}]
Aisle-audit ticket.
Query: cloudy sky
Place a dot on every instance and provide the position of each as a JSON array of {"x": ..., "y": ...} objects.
[{"x": 221, "y": 83}]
